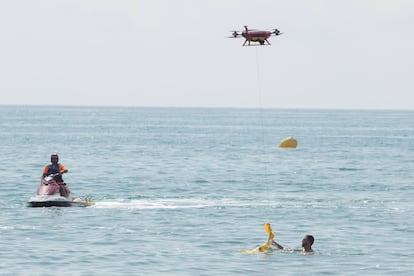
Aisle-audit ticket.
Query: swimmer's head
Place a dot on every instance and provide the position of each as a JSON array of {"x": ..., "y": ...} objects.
[{"x": 308, "y": 240}]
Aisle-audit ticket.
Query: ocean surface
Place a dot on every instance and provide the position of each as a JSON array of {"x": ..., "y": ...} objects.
[{"x": 180, "y": 191}]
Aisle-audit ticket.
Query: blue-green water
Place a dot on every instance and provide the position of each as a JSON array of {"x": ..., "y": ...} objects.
[{"x": 181, "y": 191}]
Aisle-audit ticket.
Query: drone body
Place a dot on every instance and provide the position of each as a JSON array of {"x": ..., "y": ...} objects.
[{"x": 255, "y": 35}]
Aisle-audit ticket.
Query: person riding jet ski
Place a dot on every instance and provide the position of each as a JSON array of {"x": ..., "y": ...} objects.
[{"x": 53, "y": 168}]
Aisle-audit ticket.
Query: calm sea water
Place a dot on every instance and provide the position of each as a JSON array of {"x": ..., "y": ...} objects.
[{"x": 182, "y": 191}]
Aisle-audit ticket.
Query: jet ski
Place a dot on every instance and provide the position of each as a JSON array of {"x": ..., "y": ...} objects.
[{"x": 48, "y": 195}]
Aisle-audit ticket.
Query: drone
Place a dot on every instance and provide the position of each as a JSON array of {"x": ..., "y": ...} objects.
[{"x": 255, "y": 35}]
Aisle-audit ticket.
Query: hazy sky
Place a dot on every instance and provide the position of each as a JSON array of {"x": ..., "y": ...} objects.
[{"x": 333, "y": 54}]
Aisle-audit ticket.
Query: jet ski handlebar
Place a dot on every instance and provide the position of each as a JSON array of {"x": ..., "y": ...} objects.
[{"x": 51, "y": 176}]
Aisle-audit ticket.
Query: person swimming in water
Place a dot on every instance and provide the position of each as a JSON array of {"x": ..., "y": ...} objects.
[{"x": 307, "y": 243}]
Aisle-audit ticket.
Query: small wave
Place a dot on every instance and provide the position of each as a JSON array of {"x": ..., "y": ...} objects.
[
  {"x": 349, "y": 169},
  {"x": 7, "y": 227}
]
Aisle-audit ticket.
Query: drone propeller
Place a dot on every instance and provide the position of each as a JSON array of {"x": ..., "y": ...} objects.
[
  {"x": 234, "y": 34},
  {"x": 276, "y": 32}
]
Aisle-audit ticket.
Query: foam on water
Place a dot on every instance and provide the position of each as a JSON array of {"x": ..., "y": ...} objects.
[{"x": 178, "y": 203}]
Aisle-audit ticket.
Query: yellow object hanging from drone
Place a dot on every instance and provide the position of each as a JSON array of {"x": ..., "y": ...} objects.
[{"x": 264, "y": 246}]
